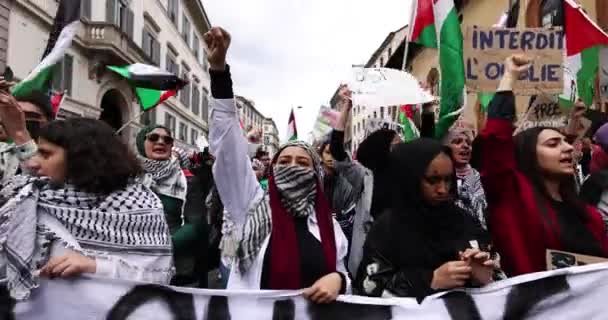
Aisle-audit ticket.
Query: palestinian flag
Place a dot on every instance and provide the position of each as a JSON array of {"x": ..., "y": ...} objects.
[
  {"x": 406, "y": 116},
  {"x": 582, "y": 54},
  {"x": 60, "y": 39},
  {"x": 451, "y": 64},
  {"x": 151, "y": 84},
  {"x": 423, "y": 32},
  {"x": 292, "y": 130}
]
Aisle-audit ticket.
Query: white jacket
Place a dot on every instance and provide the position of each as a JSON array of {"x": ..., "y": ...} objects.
[{"x": 240, "y": 191}]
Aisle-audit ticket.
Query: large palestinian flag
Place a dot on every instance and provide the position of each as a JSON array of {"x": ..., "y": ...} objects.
[
  {"x": 436, "y": 25},
  {"x": 152, "y": 85},
  {"x": 583, "y": 40},
  {"x": 60, "y": 39}
]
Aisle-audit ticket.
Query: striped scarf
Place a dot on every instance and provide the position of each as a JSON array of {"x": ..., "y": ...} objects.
[
  {"x": 169, "y": 180},
  {"x": 297, "y": 188},
  {"x": 129, "y": 220}
]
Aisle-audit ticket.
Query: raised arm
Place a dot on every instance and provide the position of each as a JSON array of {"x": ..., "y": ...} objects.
[
  {"x": 496, "y": 139},
  {"x": 234, "y": 178},
  {"x": 351, "y": 170}
]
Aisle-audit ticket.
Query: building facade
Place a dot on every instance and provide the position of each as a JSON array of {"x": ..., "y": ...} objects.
[
  {"x": 250, "y": 117},
  {"x": 271, "y": 136},
  {"x": 165, "y": 33}
]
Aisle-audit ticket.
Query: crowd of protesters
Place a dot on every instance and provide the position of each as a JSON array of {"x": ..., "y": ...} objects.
[{"x": 402, "y": 219}]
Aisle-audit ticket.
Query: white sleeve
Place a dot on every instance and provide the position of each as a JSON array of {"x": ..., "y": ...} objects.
[
  {"x": 141, "y": 268},
  {"x": 235, "y": 180},
  {"x": 341, "y": 252}
]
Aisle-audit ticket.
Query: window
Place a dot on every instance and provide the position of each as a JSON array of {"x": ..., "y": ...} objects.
[
  {"x": 193, "y": 136},
  {"x": 381, "y": 62},
  {"x": 390, "y": 52},
  {"x": 186, "y": 30},
  {"x": 381, "y": 112},
  {"x": 184, "y": 95},
  {"x": 148, "y": 118},
  {"x": 170, "y": 64},
  {"x": 172, "y": 10},
  {"x": 62, "y": 76},
  {"x": 170, "y": 122},
  {"x": 183, "y": 132},
  {"x": 205, "y": 107},
  {"x": 205, "y": 62},
  {"x": 195, "y": 47},
  {"x": 118, "y": 13},
  {"x": 85, "y": 9},
  {"x": 151, "y": 46},
  {"x": 196, "y": 99}
]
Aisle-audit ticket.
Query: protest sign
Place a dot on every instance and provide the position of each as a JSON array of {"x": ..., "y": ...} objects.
[
  {"x": 556, "y": 294},
  {"x": 561, "y": 259},
  {"x": 373, "y": 125},
  {"x": 545, "y": 111},
  {"x": 377, "y": 87},
  {"x": 326, "y": 120},
  {"x": 485, "y": 50}
]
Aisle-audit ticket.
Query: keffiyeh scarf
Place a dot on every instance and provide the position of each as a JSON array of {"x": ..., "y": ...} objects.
[
  {"x": 297, "y": 188},
  {"x": 129, "y": 220},
  {"x": 168, "y": 178},
  {"x": 471, "y": 196}
]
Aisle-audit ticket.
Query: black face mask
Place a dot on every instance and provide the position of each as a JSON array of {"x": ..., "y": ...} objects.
[{"x": 33, "y": 127}]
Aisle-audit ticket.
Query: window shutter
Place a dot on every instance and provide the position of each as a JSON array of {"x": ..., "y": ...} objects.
[
  {"x": 145, "y": 42},
  {"x": 130, "y": 18},
  {"x": 110, "y": 9},
  {"x": 85, "y": 9},
  {"x": 156, "y": 52},
  {"x": 67, "y": 73}
]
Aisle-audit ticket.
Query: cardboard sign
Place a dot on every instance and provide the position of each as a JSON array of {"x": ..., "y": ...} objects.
[
  {"x": 485, "y": 50},
  {"x": 562, "y": 259},
  {"x": 326, "y": 120},
  {"x": 545, "y": 111}
]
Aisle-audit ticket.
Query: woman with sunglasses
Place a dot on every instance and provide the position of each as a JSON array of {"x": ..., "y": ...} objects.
[
  {"x": 425, "y": 243},
  {"x": 283, "y": 239},
  {"x": 167, "y": 180}
]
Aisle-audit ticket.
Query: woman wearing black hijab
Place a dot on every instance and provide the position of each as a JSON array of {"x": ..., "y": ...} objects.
[{"x": 424, "y": 243}]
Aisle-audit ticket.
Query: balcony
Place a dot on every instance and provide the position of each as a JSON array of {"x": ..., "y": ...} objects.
[{"x": 108, "y": 43}]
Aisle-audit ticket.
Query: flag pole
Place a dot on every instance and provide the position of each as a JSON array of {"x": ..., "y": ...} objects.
[
  {"x": 129, "y": 122},
  {"x": 408, "y": 37}
]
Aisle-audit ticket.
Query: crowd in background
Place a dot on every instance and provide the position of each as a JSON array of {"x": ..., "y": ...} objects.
[{"x": 402, "y": 219}]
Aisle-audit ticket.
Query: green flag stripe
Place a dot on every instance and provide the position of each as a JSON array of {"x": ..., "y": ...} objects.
[
  {"x": 428, "y": 37},
  {"x": 585, "y": 77},
  {"x": 452, "y": 72},
  {"x": 148, "y": 98}
]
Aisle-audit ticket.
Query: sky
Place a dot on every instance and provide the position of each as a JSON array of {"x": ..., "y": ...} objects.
[{"x": 290, "y": 53}]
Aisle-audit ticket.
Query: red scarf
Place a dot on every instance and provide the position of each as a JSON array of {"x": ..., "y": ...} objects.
[{"x": 284, "y": 253}]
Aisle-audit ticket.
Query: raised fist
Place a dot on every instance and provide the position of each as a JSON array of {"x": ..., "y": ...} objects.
[{"x": 218, "y": 42}]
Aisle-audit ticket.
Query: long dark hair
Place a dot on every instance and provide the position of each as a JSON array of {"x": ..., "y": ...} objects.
[
  {"x": 527, "y": 162},
  {"x": 373, "y": 153},
  {"x": 96, "y": 160}
]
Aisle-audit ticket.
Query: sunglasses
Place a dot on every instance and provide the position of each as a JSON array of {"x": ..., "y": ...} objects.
[{"x": 155, "y": 137}]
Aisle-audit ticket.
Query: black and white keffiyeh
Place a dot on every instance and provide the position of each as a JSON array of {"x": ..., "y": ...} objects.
[
  {"x": 130, "y": 220},
  {"x": 297, "y": 189},
  {"x": 167, "y": 176}
]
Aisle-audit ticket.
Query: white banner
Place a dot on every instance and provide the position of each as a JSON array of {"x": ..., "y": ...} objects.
[
  {"x": 574, "y": 293},
  {"x": 377, "y": 87}
]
